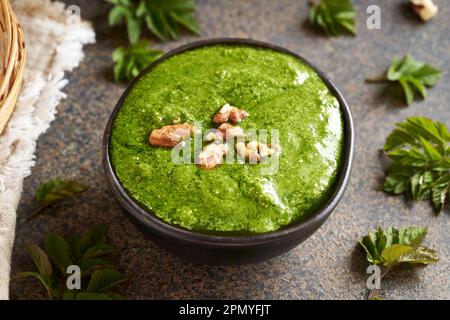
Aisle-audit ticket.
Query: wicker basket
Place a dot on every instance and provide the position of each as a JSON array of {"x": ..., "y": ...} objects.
[{"x": 12, "y": 61}]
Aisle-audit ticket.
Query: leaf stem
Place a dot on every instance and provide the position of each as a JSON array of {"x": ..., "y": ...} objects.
[
  {"x": 377, "y": 79},
  {"x": 38, "y": 211}
]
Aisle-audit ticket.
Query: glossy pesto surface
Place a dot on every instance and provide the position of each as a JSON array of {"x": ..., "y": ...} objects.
[{"x": 278, "y": 91}]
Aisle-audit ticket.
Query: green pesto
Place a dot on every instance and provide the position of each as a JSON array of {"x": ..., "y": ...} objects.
[{"x": 278, "y": 91}]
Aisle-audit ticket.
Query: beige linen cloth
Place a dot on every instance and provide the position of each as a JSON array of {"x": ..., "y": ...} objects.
[{"x": 54, "y": 41}]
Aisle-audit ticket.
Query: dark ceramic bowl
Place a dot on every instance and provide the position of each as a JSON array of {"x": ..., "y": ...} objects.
[{"x": 220, "y": 249}]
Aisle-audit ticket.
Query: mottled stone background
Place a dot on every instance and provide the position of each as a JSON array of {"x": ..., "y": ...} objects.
[{"x": 326, "y": 266}]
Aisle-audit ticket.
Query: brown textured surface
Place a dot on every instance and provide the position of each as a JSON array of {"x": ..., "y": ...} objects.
[{"x": 326, "y": 266}]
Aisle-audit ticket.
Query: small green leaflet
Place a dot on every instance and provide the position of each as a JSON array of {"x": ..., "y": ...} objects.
[
  {"x": 420, "y": 151},
  {"x": 164, "y": 18},
  {"x": 393, "y": 246},
  {"x": 57, "y": 250},
  {"x": 124, "y": 11},
  {"x": 335, "y": 17},
  {"x": 55, "y": 190},
  {"x": 40, "y": 259},
  {"x": 128, "y": 62},
  {"x": 103, "y": 280},
  {"x": 412, "y": 75},
  {"x": 99, "y": 275},
  {"x": 44, "y": 268}
]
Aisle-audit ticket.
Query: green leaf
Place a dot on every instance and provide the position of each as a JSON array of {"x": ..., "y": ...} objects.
[
  {"x": 419, "y": 148},
  {"x": 335, "y": 17},
  {"x": 413, "y": 76},
  {"x": 432, "y": 153},
  {"x": 105, "y": 279},
  {"x": 90, "y": 265},
  {"x": 55, "y": 190},
  {"x": 58, "y": 251},
  {"x": 420, "y": 255},
  {"x": 74, "y": 247},
  {"x": 40, "y": 259},
  {"x": 46, "y": 281},
  {"x": 117, "y": 15},
  {"x": 393, "y": 254},
  {"x": 440, "y": 192},
  {"x": 164, "y": 18},
  {"x": 392, "y": 246},
  {"x": 409, "y": 93},
  {"x": 87, "y": 252},
  {"x": 412, "y": 236},
  {"x": 134, "y": 30},
  {"x": 132, "y": 60},
  {"x": 93, "y": 237},
  {"x": 374, "y": 243},
  {"x": 98, "y": 251}
]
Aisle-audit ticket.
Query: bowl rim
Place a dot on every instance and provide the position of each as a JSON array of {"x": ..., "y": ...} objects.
[{"x": 148, "y": 219}]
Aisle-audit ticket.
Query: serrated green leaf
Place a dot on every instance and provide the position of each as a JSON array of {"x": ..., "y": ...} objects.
[
  {"x": 40, "y": 259},
  {"x": 98, "y": 251},
  {"x": 90, "y": 265},
  {"x": 86, "y": 252},
  {"x": 134, "y": 30},
  {"x": 95, "y": 236},
  {"x": 164, "y": 18},
  {"x": 412, "y": 236},
  {"x": 391, "y": 246},
  {"x": 440, "y": 192},
  {"x": 102, "y": 280},
  {"x": 393, "y": 254},
  {"x": 420, "y": 255},
  {"x": 409, "y": 93},
  {"x": 74, "y": 247},
  {"x": 374, "y": 243},
  {"x": 395, "y": 184},
  {"x": 117, "y": 15},
  {"x": 57, "y": 250},
  {"x": 419, "y": 149},
  {"x": 46, "y": 281},
  {"x": 335, "y": 17},
  {"x": 132, "y": 60},
  {"x": 413, "y": 76},
  {"x": 432, "y": 152},
  {"x": 58, "y": 189}
]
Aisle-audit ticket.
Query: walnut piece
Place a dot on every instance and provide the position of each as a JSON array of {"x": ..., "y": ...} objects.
[
  {"x": 214, "y": 135},
  {"x": 212, "y": 155},
  {"x": 229, "y": 113},
  {"x": 425, "y": 9},
  {"x": 229, "y": 131},
  {"x": 171, "y": 135},
  {"x": 255, "y": 151}
]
